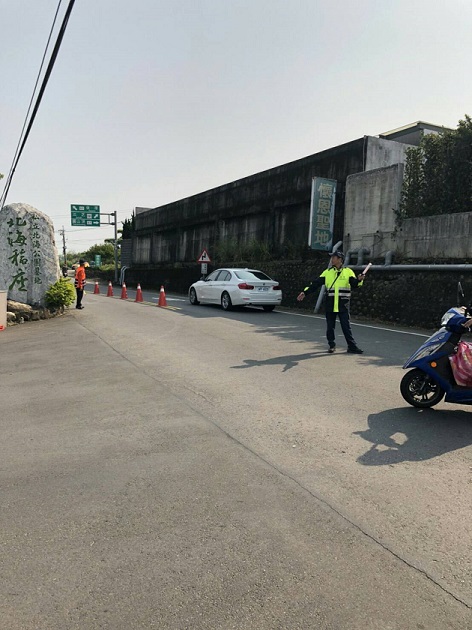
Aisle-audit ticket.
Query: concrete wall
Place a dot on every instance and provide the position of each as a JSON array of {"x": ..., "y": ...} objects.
[
  {"x": 381, "y": 153},
  {"x": 126, "y": 252},
  {"x": 445, "y": 236},
  {"x": 372, "y": 200},
  {"x": 271, "y": 207},
  {"x": 141, "y": 249},
  {"x": 369, "y": 221},
  {"x": 369, "y": 216}
]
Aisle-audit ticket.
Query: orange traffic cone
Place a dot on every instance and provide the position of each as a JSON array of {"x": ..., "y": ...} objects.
[
  {"x": 96, "y": 290},
  {"x": 110, "y": 290},
  {"x": 139, "y": 294},
  {"x": 162, "y": 297},
  {"x": 124, "y": 292}
]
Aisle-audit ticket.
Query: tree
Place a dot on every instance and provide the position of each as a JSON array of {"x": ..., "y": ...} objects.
[
  {"x": 412, "y": 191},
  {"x": 106, "y": 251},
  {"x": 128, "y": 227},
  {"x": 438, "y": 174}
]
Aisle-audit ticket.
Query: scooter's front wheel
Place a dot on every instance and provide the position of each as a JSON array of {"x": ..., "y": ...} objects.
[{"x": 420, "y": 390}]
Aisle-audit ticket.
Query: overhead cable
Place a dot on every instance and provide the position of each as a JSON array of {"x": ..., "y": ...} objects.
[
  {"x": 32, "y": 95},
  {"x": 47, "y": 74}
]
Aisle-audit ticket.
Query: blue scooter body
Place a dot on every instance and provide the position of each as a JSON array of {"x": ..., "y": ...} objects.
[{"x": 433, "y": 357}]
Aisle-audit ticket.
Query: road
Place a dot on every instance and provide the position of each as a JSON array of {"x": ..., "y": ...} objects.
[{"x": 189, "y": 468}]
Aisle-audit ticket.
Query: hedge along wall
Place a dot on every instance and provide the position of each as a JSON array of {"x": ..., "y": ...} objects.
[{"x": 407, "y": 298}]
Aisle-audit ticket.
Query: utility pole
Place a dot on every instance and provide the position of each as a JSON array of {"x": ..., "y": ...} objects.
[
  {"x": 64, "y": 252},
  {"x": 113, "y": 214}
]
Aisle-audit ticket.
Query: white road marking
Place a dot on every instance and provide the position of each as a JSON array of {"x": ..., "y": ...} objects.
[
  {"x": 403, "y": 332},
  {"x": 170, "y": 299}
]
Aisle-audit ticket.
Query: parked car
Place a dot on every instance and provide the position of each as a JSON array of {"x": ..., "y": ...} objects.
[{"x": 237, "y": 287}]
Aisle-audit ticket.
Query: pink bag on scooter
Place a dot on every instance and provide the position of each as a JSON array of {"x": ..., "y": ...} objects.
[{"x": 461, "y": 364}]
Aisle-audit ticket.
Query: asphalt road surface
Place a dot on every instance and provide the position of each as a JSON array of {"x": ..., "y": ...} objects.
[{"x": 186, "y": 468}]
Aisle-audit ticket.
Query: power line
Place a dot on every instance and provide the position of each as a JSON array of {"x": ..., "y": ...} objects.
[
  {"x": 84, "y": 229},
  {"x": 32, "y": 95},
  {"x": 21, "y": 143}
]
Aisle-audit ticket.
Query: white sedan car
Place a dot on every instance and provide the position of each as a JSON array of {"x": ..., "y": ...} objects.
[{"x": 237, "y": 287}]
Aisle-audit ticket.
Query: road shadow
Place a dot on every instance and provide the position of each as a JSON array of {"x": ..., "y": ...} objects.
[
  {"x": 413, "y": 435},
  {"x": 311, "y": 328},
  {"x": 288, "y": 361}
]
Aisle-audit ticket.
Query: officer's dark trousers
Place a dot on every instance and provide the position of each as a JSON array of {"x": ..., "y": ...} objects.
[
  {"x": 80, "y": 295},
  {"x": 345, "y": 325}
]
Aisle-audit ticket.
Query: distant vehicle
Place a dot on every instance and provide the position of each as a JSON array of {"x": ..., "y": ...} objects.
[{"x": 237, "y": 287}]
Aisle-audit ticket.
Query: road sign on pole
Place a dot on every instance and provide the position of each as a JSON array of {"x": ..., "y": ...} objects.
[
  {"x": 85, "y": 215},
  {"x": 204, "y": 258}
]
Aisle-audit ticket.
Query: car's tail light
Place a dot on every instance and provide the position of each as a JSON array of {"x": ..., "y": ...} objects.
[
  {"x": 277, "y": 287},
  {"x": 244, "y": 285}
]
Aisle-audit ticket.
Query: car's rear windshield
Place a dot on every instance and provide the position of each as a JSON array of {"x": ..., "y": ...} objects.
[{"x": 244, "y": 274}]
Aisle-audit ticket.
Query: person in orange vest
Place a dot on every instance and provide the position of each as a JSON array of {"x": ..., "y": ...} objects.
[{"x": 80, "y": 283}]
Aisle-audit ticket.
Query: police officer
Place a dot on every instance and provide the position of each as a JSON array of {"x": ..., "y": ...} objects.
[
  {"x": 80, "y": 283},
  {"x": 338, "y": 281}
]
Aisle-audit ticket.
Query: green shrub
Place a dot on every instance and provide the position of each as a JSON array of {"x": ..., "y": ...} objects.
[
  {"x": 230, "y": 250},
  {"x": 60, "y": 294},
  {"x": 107, "y": 268}
]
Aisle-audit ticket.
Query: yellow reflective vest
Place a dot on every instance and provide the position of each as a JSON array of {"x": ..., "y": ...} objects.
[{"x": 338, "y": 283}]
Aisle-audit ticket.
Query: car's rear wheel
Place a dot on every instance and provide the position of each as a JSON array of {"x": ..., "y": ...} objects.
[
  {"x": 268, "y": 308},
  {"x": 193, "y": 297},
  {"x": 226, "y": 303}
]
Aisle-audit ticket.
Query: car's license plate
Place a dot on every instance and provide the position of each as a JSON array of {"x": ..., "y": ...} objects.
[{"x": 262, "y": 288}]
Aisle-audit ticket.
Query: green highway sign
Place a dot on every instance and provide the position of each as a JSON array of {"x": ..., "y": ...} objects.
[{"x": 85, "y": 215}]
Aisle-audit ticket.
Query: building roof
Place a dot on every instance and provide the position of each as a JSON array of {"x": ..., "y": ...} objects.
[{"x": 413, "y": 129}]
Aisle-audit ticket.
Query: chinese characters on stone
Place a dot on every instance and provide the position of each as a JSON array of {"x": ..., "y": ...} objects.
[
  {"x": 36, "y": 249},
  {"x": 17, "y": 239}
]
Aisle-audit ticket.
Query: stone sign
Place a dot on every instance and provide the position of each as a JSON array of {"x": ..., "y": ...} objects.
[{"x": 29, "y": 262}]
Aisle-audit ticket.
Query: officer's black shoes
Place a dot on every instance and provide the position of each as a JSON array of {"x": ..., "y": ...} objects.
[
  {"x": 79, "y": 307},
  {"x": 331, "y": 349},
  {"x": 355, "y": 350}
]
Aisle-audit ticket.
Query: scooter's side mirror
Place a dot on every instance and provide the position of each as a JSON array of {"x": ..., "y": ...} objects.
[{"x": 460, "y": 295}]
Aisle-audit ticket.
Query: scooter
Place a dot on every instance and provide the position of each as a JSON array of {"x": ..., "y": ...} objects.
[{"x": 432, "y": 376}]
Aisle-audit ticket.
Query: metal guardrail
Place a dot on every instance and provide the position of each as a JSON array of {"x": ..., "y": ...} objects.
[{"x": 122, "y": 275}]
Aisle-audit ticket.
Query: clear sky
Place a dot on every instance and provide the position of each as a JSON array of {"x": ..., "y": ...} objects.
[{"x": 152, "y": 101}]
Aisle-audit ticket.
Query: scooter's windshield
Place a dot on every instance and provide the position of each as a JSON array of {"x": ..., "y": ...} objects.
[
  {"x": 453, "y": 320},
  {"x": 450, "y": 314}
]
